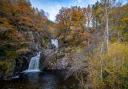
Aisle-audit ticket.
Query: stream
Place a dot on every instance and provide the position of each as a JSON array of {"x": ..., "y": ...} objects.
[{"x": 33, "y": 78}]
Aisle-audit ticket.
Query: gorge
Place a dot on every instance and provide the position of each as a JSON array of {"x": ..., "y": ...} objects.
[
  {"x": 34, "y": 78},
  {"x": 84, "y": 47}
]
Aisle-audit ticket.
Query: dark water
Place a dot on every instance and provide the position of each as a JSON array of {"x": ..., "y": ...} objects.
[
  {"x": 37, "y": 80},
  {"x": 31, "y": 80}
]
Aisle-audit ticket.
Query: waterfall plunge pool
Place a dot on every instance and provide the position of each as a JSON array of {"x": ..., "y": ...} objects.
[
  {"x": 33, "y": 78},
  {"x": 39, "y": 80}
]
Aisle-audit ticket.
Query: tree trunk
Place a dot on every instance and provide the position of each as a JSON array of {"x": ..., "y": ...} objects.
[{"x": 106, "y": 25}]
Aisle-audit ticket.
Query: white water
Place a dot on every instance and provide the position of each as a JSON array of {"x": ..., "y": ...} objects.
[
  {"x": 55, "y": 42},
  {"x": 34, "y": 64}
]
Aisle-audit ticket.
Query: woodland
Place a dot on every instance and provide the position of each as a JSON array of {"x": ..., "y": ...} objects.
[{"x": 93, "y": 42}]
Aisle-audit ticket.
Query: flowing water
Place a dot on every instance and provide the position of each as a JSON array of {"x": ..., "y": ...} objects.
[
  {"x": 55, "y": 42},
  {"x": 34, "y": 64},
  {"x": 33, "y": 78}
]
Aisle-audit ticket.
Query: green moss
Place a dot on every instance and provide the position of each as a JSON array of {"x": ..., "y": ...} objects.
[
  {"x": 11, "y": 54},
  {"x": 7, "y": 67}
]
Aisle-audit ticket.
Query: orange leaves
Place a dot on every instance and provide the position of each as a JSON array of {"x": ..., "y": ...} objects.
[
  {"x": 71, "y": 23},
  {"x": 74, "y": 16},
  {"x": 25, "y": 21},
  {"x": 21, "y": 7},
  {"x": 77, "y": 37},
  {"x": 25, "y": 17},
  {"x": 5, "y": 22}
]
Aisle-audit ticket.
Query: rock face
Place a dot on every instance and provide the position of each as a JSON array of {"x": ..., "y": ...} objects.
[
  {"x": 70, "y": 62},
  {"x": 22, "y": 31},
  {"x": 36, "y": 43},
  {"x": 11, "y": 67},
  {"x": 22, "y": 62},
  {"x": 16, "y": 57}
]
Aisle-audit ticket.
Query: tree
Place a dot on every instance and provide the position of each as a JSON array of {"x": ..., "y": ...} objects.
[
  {"x": 72, "y": 23},
  {"x": 89, "y": 17},
  {"x": 118, "y": 17}
]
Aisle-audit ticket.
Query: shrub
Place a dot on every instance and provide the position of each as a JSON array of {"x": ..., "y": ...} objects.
[{"x": 110, "y": 70}]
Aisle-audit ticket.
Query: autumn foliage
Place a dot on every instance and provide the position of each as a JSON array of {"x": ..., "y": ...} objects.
[{"x": 71, "y": 22}]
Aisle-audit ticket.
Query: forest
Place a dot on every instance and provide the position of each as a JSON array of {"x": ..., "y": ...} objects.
[{"x": 84, "y": 48}]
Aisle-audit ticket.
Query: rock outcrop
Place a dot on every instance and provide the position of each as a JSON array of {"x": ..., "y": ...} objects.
[{"x": 64, "y": 59}]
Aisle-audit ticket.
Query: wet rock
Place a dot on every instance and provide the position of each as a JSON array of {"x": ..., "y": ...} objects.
[{"x": 22, "y": 62}]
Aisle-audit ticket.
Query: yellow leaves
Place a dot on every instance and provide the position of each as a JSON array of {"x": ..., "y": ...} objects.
[
  {"x": 118, "y": 50},
  {"x": 113, "y": 65},
  {"x": 125, "y": 20},
  {"x": 22, "y": 50}
]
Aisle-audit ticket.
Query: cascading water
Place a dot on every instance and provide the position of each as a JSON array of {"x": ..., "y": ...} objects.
[
  {"x": 34, "y": 64},
  {"x": 55, "y": 42}
]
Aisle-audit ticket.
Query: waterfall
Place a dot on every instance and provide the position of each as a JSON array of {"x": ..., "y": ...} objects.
[
  {"x": 55, "y": 42},
  {"x": 34, "y": 64}
]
